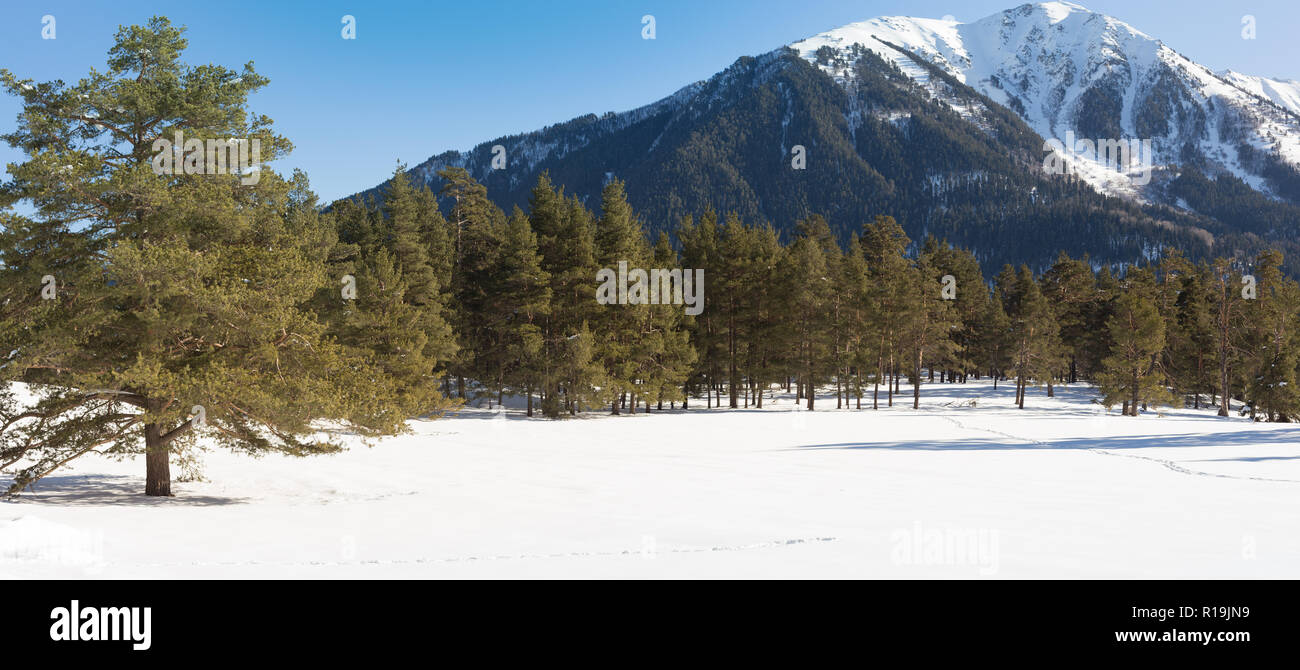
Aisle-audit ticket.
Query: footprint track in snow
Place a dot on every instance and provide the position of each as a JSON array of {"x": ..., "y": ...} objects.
[
  {"x": 1161, "y": 461},
  {"x": 500, "y": 557}
]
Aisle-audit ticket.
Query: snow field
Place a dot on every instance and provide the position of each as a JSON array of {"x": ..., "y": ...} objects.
[{"x": 1060, "y": 489}]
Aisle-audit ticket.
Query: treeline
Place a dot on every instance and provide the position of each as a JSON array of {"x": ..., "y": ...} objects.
[{"x": 512, "y": 305}]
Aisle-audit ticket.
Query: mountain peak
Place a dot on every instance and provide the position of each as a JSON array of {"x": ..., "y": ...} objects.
[
  {"x": 1056, "y": 11},
  {"x": 1070, "y": 73}
]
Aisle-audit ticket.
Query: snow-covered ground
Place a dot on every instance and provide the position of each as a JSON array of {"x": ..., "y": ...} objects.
[{"x": 1060, "y": 489}]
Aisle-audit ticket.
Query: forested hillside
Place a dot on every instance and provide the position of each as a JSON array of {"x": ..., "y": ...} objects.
[{"x": 882, "y": 144}]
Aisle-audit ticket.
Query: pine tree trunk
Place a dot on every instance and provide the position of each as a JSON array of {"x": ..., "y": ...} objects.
[
  {"x": 875, "y": 393},
  {"x": 1223, "y": 357},
  {"x": 889, "y": 383},
  {"x": 158, "y": 477},
  {"x": 916, "y": 381}
]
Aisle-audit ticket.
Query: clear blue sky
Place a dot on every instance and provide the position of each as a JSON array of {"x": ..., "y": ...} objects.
[{"x": 426, "y": 76}]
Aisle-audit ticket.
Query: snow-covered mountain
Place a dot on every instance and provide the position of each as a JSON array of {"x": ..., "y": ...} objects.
[
  {"x": 1074, "y": 74},
  {"x": 1283, "y": 92},
  {"x": 958, "y": 131}
]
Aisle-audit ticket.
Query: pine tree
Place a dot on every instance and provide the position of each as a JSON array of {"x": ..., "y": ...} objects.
[
  {"x": 766, "y": 328},
  {"x": 1036, "y": 347},
  {"x": 1131, "y": 374},
  {"x": 855, "y": 323},
  {"x": 671, "y": 358},
  {"x": 1070, "y": 288},
  {"x": 730, "y": 285},
  {"x": 932, "y": 324},
  {"x": 1226, "y": 310},
  {"x": 994, "y": 340},
  {"x": 621, "y": 250},
  {"x": 968, "y": 305},
  {"x": 478, "y": 226},
  {"x": 1272, "y": 337},
  {"x": 565, "y": 241},
  {"x": 522, "y": 299},
  {"x": 884, "y": 243},
  {"x": 1190, "y": 337},
  {"x": 401, "y": 235},
  {"x": 806, "y": 275},
  {"x": 179, "y": 302},
  {"x": 700, "y": 251}
]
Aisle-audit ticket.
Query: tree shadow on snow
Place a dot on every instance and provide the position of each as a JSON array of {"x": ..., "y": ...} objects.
[
  {"x": 108, "y": 490},
  {"x": 1247, "y": 459},
  {"x": 993, "y": 443}
]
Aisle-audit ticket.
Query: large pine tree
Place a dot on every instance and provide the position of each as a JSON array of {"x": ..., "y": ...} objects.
[{"x": 176, "y": 302}]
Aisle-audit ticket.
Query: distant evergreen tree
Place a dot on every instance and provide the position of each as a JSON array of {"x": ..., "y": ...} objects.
[
  {"x": 1069, "y": 286},
  {"x": 1272, "y": 341},
  {"x": 1036, "y": 347},
  {"x": 994, "y": 340},
  {"x": 968, "y": 305},
  {"x": 1190, "y": 337},
  {"x": 1131, "y": 374},
  {"x": 663, "y": 372},
  {"x": 478, "y": 225},
  {"x": 621, "y": 348},
  {"x": 933, "y": 321},
  {"x": 1226, "y": 310},
  {"x": 766, "y": 329},
  {"x": 566, "y": 243},
  {"x": 884, "y": 244},
  {"x": 522, "y": 299},
  {"x": 699, "y": 250},
  {"x": 806, "y": 274},
  {"x": 855, "y": 320}
]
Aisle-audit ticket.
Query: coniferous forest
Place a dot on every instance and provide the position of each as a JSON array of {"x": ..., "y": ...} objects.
[{"x": 151, "y": 309}]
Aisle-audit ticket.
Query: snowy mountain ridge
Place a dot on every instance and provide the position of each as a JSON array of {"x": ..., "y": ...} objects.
[
  {"x": 1023, "y": 95},
  {"x": 1073, "y": 73},
  {"x": 1282, "y": 92}
]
